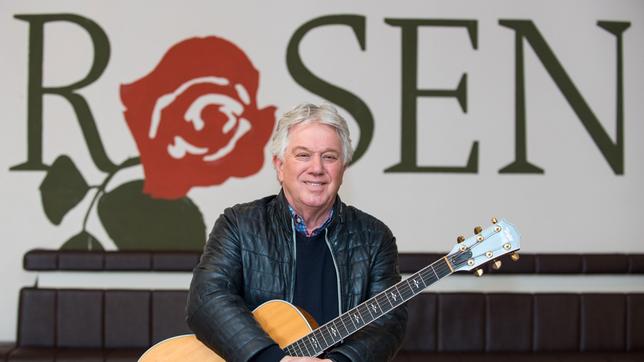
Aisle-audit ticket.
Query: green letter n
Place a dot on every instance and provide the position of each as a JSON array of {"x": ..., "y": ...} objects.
[{"x": 613, "y": 152}]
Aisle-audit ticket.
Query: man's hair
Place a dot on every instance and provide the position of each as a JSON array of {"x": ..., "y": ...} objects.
[{"x": 305, "y": 113}]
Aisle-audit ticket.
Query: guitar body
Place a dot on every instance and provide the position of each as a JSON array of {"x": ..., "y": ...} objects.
[{"x": 281, "y": 320}]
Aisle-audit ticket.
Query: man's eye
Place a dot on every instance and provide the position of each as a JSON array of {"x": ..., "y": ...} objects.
[
  {"x": 330, "y": 157},
  {"x": 302, "y": 155}
]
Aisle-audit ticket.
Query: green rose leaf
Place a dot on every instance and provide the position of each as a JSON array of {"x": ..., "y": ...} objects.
[
  {"x": 135, "y": 221},
  {"x": 82, "y": 241},
  {"x": 62, "y": 189}
]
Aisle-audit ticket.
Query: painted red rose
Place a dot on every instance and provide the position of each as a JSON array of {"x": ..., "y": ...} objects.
[{"x": 195, "y": 118}]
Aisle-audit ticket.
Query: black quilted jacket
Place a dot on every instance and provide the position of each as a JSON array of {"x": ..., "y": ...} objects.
[{"x": 249, "y": 259}]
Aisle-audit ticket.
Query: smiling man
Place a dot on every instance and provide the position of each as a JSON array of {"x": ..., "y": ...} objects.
[{"x": 303, "y": 246}]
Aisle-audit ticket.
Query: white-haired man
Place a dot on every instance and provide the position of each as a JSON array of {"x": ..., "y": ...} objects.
[{"x": 304, "y": 246}]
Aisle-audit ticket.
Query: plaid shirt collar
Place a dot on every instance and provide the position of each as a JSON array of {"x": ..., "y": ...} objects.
[{"x": 300, "y": 225}]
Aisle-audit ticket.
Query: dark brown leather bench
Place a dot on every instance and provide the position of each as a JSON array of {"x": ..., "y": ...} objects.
[
  {"x": 525, "y": 327},
  {"x": 118, "y": 325},
  {"x": 95, "y": 325}
]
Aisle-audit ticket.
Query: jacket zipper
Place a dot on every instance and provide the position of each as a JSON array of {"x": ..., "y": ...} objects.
[
  {"x": 294, "y": 267},
  {"x": 337, "y": 271}
]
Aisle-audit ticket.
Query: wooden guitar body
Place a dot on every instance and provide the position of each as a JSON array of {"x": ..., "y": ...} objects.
[{"x": 284, "y": 322}]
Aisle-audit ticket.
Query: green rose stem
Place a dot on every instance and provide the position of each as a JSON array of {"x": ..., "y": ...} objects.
[{"x": 101, "y": 189}]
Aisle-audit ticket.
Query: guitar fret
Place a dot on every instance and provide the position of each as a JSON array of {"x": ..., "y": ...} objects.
[
  {"x": 382, "y": 298},
  {"x": 389, "y": 299},
  {"x": 375, "y": 307},
  {"x": 434, "y": 270},
  {"x": 305, "y": 347},
  {"x": 307, "y": 353},
  {"x": 415, "y": 283},
  {"x": 299, "y": 351},
  {"x": 357, "y": 315},
  {"x": 407, "y": 292},
  {"x": 361, "y": 309},
  {"x": 428, "y": 275},
  {"x": 344, "y": 321},
  {"x": 350, "y": 316},
  {"x": 292, "y": 351},
  {"x": 322, "y": 331},
  {"x": 335, "y": 332},
  {"x": 395, "y": 295},
  {"x": 315, "y": 344},
  {"x": 401, "y": 291},
  {"x": 322, "y": 341},
  {"x": 368, "y": 316},
  {"x": 343, "y": 325}
]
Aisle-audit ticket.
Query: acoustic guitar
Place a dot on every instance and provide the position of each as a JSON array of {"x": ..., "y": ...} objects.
[{"x": 298, "y": 334}]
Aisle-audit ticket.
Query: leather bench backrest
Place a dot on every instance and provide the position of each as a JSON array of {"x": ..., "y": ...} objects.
[
  {"x": 445, "y": 322},
  {"x": 506, "y": 322},
  {"x": 99, "y": 318}
]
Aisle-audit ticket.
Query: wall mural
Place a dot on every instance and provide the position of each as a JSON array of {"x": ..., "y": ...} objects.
[
  {"x": 196, "y": 122},
  {"x": 132, "y": 125}
]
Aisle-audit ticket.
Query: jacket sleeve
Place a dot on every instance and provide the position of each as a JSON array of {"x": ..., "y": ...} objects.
[
  {"x": 381, "y": 339},
  {"x": 215, "y": 311}
]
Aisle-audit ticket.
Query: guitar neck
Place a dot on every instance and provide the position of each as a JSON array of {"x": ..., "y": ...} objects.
[{"x": 353, "y": 320}]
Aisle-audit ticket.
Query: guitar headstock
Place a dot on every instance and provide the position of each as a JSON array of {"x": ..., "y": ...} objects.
[{"x": 486, "y": 245}]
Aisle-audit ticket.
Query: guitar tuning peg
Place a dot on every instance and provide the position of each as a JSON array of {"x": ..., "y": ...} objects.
[
  {"x": 478, "y": 272},
  {"x": 460, "y": 239},
  {"x": 494, "y": 220},
  {"x": 515, "y": 256},
  {"x": 497, "y": 264},
  {"x": 478, "y": 229}
]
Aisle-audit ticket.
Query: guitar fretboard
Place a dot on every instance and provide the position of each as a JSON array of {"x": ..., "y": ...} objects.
[{"x": 334, "y": 331}]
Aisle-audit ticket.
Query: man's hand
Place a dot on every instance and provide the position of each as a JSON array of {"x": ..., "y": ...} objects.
[{"x": 303, "y": 359}]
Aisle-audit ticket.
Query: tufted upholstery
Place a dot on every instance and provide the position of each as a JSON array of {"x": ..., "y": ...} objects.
[
  {"x": 460, "y": 326},
  {"x": 118, "y": 325},
  {"x": 101, "y": 325}
]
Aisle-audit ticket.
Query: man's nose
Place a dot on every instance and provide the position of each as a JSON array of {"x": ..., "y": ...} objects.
[{"x": 316, "y": 165}]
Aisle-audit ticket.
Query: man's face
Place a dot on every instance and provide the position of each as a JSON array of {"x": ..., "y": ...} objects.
[{"x": 312, "y": 169}]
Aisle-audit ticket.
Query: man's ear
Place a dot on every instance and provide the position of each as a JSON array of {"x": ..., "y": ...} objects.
[{"x": 278, "y": 164}]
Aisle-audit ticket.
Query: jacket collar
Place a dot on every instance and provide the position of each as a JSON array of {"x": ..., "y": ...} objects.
[{"x": 284, "y": 215}]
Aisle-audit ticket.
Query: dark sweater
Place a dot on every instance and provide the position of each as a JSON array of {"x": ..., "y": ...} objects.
[
  {"x": 316, "y": 289},
  {"x": 316, "y": 286}
]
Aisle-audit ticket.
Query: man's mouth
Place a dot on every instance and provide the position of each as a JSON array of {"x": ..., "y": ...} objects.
[{"x": 314, "y": 183}]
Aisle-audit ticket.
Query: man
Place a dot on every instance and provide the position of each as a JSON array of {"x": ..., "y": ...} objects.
[{"x": 304, "y": 246}]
